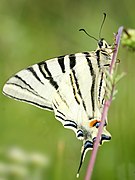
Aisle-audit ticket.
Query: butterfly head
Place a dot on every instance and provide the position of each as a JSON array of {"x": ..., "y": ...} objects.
[
  {"x": 103, "y": 45},
  {"x": 104, "y": 52}
]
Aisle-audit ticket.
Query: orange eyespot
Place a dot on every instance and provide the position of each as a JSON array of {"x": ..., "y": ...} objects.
[{"x": 93, "y": 122}]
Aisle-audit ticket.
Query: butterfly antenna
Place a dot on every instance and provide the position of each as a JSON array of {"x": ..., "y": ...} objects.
[
  {"x": 102, "y": 25},
  {"x": 88, "y": 34}
]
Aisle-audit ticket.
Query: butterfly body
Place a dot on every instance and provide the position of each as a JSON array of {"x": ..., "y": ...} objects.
[{"x": 73, "y": 86}]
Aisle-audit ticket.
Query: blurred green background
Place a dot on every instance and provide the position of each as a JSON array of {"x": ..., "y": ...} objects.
[{"x": 32, "y": 31}]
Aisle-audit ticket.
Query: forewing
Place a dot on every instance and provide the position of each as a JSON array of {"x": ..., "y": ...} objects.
[
  {"x": 37, "y": 83},
  {"x": 77, "y": 96}
]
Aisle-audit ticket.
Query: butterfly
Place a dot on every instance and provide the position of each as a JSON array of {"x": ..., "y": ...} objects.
[{"x": 73, "y": 87}]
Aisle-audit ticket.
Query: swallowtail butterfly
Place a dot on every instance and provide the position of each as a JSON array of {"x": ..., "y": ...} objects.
[{"x": 72, "y": 86}]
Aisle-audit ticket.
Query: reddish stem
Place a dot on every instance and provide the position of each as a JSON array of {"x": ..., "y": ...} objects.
[{"x": 105, "y": 111}]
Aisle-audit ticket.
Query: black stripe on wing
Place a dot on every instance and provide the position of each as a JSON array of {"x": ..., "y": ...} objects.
[
  {"x": 80, "y": 133},
  {"x": 98, "y": 58},
  {"x": 30, "y": 69},
  {"x": 87, "y": 54},
  {"x": 78, "y": 88},
  {"x": 74, "y": 80},
  {"x": 74, "y": 90},
  {"x": 60, "y": 115},
  {"x": 50, "y": 78},
  {"x": 87, "y": 146},
  {"x": 31, "y": 102},
  {"x": 92, "y": 93},
  {"x": 66, "y": 123},
  {"x": 47, "y": 74},
  {"x": 26, "y": 89},
  {"x": 72, "y": 58},
  {"x": 25, "y": 86},
  {"x": 70, "y": 123},
  {"x": 93, "y": 83},
  {"x": 21, "y": 79},
  {"x": 61, "y": 63},
  {"x": 100, "y": 87}
]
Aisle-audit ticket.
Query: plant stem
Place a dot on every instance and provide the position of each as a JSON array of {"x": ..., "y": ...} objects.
[{"x": 105, "y": 110}]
